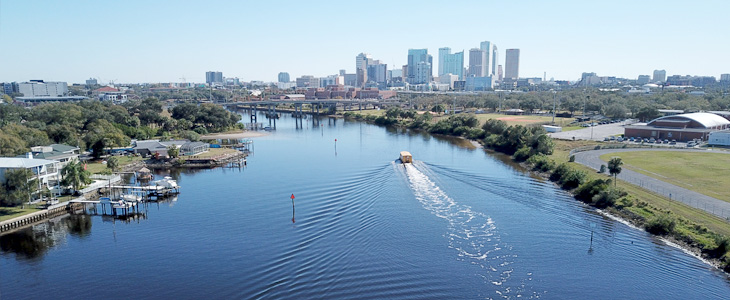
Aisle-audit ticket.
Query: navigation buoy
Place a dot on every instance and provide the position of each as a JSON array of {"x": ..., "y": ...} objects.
[{"x": 292, "y": 196}]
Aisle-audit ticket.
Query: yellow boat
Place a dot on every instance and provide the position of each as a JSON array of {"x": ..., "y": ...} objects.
[{"x": 406, "y": 157}]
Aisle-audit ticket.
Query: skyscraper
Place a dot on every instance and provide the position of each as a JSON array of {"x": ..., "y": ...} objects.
[
  {"x": 213, "y": 77},
  {"x": 486, "y": 46},
  {"x": 361, "y": 68},
  {"x": 283, "y": 77},
  {"x": 659, "y": 76},
  {"x": 451, "y": 63},
  {"x": 415, "y": 58},
  {"x": 476, "y": 62},
  {"x": 495, "y": 61},
  {"x": 512, "y": 64}
]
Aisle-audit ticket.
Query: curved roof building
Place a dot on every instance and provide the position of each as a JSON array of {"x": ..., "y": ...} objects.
[
  {"x": 682, "y": 127},
  {"x": 692, "y": 120}
]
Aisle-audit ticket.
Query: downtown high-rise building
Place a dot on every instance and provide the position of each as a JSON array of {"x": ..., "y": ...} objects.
[
  {"x": 486, "y": 46},
  {"x": 512, "y": 64},
  {"x": 659, "y": 76},
  {"x": 284, "y": 77},
  {"x": 476, "y": 63},
  {"x": 451, "y": 63},
  {"x": 212, "y": 77},
  {"x": 361, "y": 68},
  {"x": 420, "y": 66},
  {"x": 495, "y": 60}
]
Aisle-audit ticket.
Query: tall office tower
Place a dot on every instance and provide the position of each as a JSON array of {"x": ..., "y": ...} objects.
[
  {"x": 451, "y": 63},
  {"x": 377, "y": 72},
  {"x": 486, "y": 46},
  {"x": 512, "y": 64},
  {"x": 213, "y": 77},
  {"x": 415, "y": 57},
  {"x": 443, "y": 52},
  {"x": 283, "y": 77},
  {"x": 500, "y": 73},
  {"x": 495, "y": 61},
  {"x": 659, "y": 76},
  {"x": 476, "y": 62},
  {"x": 361, "y": 68}
]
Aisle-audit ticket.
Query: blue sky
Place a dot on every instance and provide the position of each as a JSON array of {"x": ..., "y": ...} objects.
[{"x": 163, "y": 41}]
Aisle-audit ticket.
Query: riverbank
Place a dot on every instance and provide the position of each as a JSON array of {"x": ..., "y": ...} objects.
[{"x": 672, "y": 221}]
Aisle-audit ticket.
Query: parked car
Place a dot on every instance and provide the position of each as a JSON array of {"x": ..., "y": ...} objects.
[
  {"x": 620, "y": 139},
  {"x": 673, "y": 142}
]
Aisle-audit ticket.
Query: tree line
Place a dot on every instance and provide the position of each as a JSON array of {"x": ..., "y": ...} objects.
[{"x": 98, "y": 125}]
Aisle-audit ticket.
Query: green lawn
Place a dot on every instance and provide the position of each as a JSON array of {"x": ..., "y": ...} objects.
[
  {"x": 7, "y": 213},
  {"x": 523, "y": 120},
  {"x": 212, "y": 152},
  {"x": 97, "y": 167},
  {"x": 655, "y": 201},
  {"x": 705, "y": 173}
]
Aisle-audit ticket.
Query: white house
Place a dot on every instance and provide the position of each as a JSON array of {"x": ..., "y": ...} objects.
[{"x": 46, "y": 171}]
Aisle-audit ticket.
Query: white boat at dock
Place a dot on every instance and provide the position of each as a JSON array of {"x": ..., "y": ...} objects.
[{"x": 166, "y": 182}]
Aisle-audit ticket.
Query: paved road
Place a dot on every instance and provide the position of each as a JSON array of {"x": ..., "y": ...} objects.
[
  {"x": 709, "y": 204},
  {"x": 596, "y": 133}
]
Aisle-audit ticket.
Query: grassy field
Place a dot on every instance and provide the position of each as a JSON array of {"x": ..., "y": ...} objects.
[
  {"x": 655, "y": 202},
  {"x": 523, "y": 120},
  {"x": 99, "y": 167},
  {"x": 213, "y": 152},
  {"x": 704, "y": 173}
]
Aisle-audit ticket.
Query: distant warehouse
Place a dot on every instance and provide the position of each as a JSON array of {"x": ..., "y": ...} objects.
[{"x": 682, "y": 127}]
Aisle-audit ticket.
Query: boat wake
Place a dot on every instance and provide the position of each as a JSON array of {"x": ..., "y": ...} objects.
[{"x": 471, "y": 233}]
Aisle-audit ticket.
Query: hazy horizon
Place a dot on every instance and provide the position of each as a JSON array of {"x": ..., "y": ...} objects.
[{"x": 165, "y": 41}]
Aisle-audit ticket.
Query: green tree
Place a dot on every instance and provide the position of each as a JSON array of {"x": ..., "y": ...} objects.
[
  {"x": 647, "y": 114},
  {"x": 112, "y": 163},
  {"x": 438, "y": 108},
  {"x": 7, "y": 99},
  {"x": 75, "y": 175},
  {"x": 614, "y": 168},
  {"x": 173, "y": 152},
  {"x": 18, "y": 187}
]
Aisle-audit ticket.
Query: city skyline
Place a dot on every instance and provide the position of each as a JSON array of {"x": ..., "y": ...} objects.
[{"x": 167, "y": 41}]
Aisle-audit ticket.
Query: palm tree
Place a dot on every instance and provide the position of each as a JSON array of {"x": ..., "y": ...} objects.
[
  {"x": 75, "y": 175},
  {"x": 614, "y": 167}
]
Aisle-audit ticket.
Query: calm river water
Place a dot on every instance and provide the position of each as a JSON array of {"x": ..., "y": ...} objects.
[{"x": 457, "y": 224}]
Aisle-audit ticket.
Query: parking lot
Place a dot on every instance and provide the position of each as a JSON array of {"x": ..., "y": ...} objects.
[{"x": 596, "y": 133}]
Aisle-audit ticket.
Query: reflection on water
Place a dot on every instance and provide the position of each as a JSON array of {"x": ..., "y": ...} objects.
[{"x": 34, "y": 241}]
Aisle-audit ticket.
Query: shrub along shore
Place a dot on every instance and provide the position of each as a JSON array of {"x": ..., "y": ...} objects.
[{"x": 531, "y": 147}]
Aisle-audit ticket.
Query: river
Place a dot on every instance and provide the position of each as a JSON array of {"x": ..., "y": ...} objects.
[{"x": 458, "y": 223}]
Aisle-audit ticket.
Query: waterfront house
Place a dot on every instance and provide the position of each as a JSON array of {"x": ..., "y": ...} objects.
[
  {"x": 193, "y": 148},
  {"x": 150, "y": 147},
  {"x": 58, "y": 152},
  {"x": 46, "y": 171}
]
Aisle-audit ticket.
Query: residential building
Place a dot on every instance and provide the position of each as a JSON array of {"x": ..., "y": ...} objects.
[
  {"x": 659, "y": 76},
  {"x": 283, "y": 77},
  {"x": 449, "y": 79},
  {"x": 44, "y": 170},
  {"x": 476, "y": 62},
  {"x": 420, "y": 66},
  {"x": 451, "y": 63},
  {"x": 58, "y": 152},
  {"x": 91, "y": 81},
  {"x": 512, "y": 64},
  {"x": 724, "y": 77},
  {"x": 40, "y": 88},
  {"x": 10, "y": 87},
  {"x": 212, "y": 77}
]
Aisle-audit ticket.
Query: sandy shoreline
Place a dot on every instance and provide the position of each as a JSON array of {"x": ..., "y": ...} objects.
[{"x": 238, "y": 135}]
